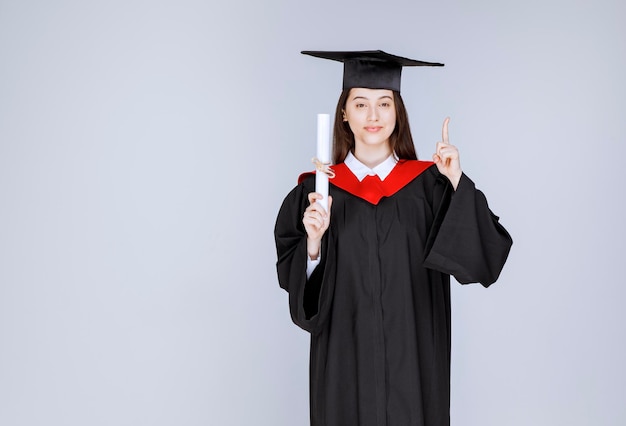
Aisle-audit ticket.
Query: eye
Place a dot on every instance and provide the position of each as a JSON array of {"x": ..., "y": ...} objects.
[
  {"x": 360, "y": 105},
  {"x": 385, "y": 104}
]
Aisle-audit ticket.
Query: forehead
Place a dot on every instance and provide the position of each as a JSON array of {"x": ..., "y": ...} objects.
[{"x": 361, "y": 92}]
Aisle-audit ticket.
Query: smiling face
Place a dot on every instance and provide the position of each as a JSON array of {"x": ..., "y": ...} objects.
[{"x": 371, "y": 114}]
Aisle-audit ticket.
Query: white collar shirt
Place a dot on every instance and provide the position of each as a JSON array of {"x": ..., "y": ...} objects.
[{"x": 360, "y": 170}]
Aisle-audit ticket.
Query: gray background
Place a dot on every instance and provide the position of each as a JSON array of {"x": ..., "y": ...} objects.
[{"x": 145, "y": 147}]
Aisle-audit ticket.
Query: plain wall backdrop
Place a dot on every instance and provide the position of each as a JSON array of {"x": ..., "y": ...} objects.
[{"x": 146, "y": 146}]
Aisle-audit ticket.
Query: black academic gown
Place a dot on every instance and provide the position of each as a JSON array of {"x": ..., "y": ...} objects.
[{"x": 378, "y": 305}]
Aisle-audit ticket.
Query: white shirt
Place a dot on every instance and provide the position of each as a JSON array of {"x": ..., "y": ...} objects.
[{"x": 360, "y": 170}]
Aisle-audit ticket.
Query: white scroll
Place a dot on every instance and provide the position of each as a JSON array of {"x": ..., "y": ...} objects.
[{"x": 323, "y": 157}]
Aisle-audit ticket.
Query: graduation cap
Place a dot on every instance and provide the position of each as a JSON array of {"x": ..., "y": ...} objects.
[{"x": 372, "y": 69}]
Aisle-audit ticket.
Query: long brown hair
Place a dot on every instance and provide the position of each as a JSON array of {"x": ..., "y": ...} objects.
[{"x": 400, "y": 141}]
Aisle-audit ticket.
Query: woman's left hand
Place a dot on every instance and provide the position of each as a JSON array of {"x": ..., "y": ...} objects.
[{"x": 446, "y": 158}]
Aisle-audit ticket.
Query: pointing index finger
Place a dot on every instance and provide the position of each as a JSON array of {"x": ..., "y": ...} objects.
[{"x": 445, "y": 130}]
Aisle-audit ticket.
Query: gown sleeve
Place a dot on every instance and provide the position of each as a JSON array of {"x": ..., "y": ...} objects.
[
  {"x": 309, "y": 299},
  {"x": 467, "y": 240}
]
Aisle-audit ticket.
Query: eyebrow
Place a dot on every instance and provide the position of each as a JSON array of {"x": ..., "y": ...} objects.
[{"x": 367, "y": 99}]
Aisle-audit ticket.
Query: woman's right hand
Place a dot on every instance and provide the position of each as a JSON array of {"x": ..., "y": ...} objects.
[{"x": 316, "y": 221}]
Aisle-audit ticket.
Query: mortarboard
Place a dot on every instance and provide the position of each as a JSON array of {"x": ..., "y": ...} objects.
[{"x": 373, "y": 69}]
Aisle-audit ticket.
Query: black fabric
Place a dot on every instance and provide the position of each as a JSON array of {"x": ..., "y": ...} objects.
[
  {"x": 373, "y": 69},
  {"x": 378, "y": 305},
  {"x": 371, "y": 74}
]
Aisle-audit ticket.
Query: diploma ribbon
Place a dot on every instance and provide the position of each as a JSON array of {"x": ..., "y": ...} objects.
[{"x": 323, "y": 167}]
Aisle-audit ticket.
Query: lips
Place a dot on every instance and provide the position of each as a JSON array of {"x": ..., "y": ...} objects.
[{"x": 373, "y": 129}]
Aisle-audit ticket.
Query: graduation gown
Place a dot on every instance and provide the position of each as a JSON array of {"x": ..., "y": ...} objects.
[{"x": 378, "y": 304}]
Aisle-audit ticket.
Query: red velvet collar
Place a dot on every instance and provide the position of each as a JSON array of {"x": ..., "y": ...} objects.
[{"x": 372, "y": 189}]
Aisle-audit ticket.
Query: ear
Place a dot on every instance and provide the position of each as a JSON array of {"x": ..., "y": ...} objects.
[{"x": 343, "y": 112}]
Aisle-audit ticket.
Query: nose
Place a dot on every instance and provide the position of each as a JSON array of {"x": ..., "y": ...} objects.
[{"x": 372, "y": 114}]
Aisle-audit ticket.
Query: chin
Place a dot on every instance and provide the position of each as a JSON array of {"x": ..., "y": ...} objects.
[{"x": 376, "y": 141}]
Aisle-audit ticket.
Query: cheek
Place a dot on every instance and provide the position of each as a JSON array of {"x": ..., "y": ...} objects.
[
  {"x": 354, "y": 118},
  {"x": 353, "y": 126},
  {"x": 392, "y": 123},
  {"x": 391, "y": 117}
]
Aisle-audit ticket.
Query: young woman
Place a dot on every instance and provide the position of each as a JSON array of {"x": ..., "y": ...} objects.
[{"x": 370, "y": 277}]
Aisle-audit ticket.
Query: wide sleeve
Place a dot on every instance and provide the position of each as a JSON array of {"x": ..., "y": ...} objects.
[
  {"x": 309, "y": 300},
  {"x": 467, "y": 239}
]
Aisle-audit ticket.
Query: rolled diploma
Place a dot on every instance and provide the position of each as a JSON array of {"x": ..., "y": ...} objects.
[{"x": 323, "y": 154}]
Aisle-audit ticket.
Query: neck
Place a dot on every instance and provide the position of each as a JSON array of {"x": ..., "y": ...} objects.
[{"x": 372, "y": 156}]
